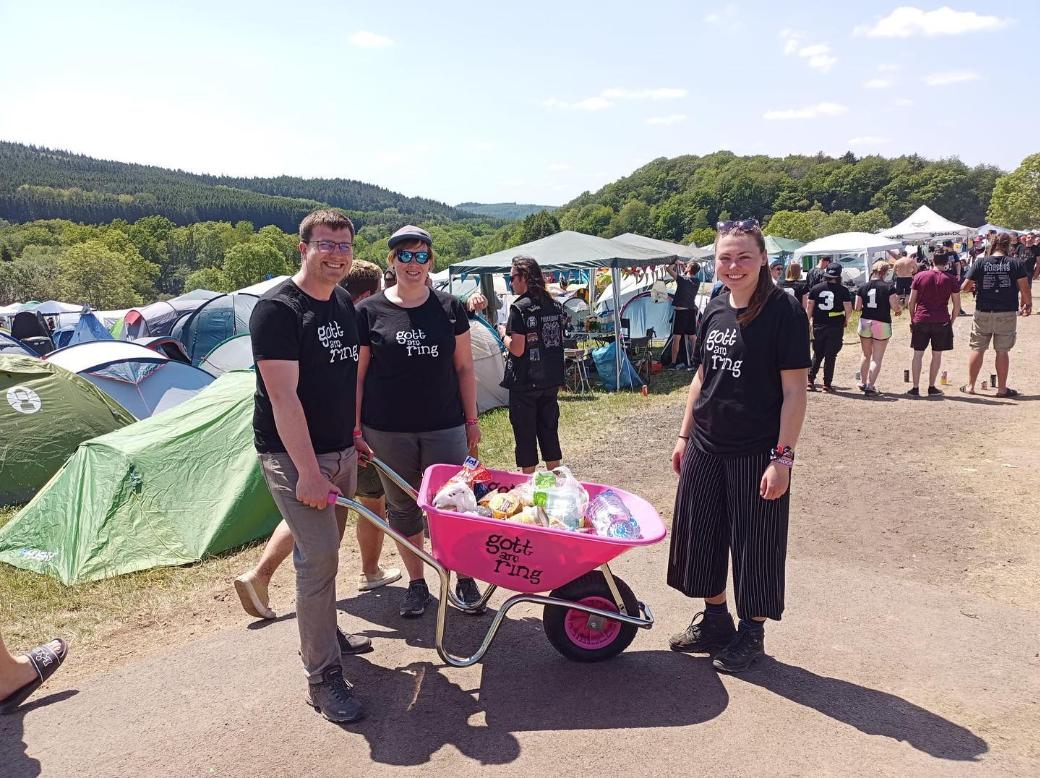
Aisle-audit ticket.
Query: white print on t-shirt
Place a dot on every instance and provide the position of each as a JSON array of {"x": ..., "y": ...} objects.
[
  {"x": 329, "y": 335},
  {"x": 826, "y": 301},
  {"x": 717, "y": 344},
  {"x": 412, "y": 340}
]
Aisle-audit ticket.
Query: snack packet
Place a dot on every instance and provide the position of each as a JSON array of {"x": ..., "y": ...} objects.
[{"x": 503, "y": 504}]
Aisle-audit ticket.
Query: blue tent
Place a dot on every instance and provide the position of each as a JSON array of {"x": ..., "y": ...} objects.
[
  {"x": 88, "y": 328},
  {"x": 214, "y": 322}
]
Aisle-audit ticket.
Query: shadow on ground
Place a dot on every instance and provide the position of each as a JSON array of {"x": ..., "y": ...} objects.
[{"x": 15, "y": 762}]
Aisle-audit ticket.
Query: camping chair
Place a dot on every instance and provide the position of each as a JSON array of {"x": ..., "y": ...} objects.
[
  {"x": 641, "y": 354},
  {"x": 575, "y": 372}
]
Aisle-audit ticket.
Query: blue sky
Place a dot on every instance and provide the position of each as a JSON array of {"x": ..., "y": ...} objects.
[{"x": 531, "y": 102}]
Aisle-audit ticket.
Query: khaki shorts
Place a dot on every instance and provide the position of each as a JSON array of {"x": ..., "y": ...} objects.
[{"x": 999, "y": 326}]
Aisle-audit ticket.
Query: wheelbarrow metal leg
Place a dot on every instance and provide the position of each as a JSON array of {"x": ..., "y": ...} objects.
[{"x": 612, "y": 585}]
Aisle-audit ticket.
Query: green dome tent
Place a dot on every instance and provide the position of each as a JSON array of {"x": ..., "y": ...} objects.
[
  {"x": 45, "y": 412},
  {"x": 167, "y": 490}
]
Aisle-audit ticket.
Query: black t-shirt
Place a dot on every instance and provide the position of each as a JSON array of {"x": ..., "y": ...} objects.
[
  {"x": 996, "y": 283},
  {"x": 411, "y": 384},
  {"x": 1027, "y": 256},
  {"x": 829, "y": 304},
  {"x": 814, "y": 277},
  {"x": 685, "y": 292},
  {"x": 876, "y": 305},
  {"x": 738, "y": 410},
  {"x": 542, "y": 324},
  {"x": 797, "y": 289},
  {"x": 321, "y": 335}
]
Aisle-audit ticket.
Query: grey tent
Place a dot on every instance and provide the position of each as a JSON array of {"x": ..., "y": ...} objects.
[
  {"x": 233, "y": 354},
  {"x": 143, "y": 381},
  {"x": 213, "y": 322},
  {"x": 570, "y": 250},
  {"x": 11, "y": 345}
]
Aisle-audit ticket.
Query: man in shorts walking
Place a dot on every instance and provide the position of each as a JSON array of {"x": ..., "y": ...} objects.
[
  {"x": 684, "y": 324},
  {"x": 904, "y": 268},
  {"x": 998, "y": 280},
  {"x": 305, "y": 344},
  {"x": 931, "y": 323}
]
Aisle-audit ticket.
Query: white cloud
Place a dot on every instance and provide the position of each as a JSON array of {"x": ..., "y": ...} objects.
[
  {"x": 908, "y": 21},
  {"x": 808, "y": 112},
  {"x": 887, "y": 68},
  {"x": 666, "y": 121},
  {"x": 370, "y": 40},
  {"x": 877, "y": 83},
  {"x": 817, "y": 55},
  {"x": 661, "y": 93},
  {"x": 725, "y": 16},
  {"x": 557, "y": 167},
  {"x": 951, "y": 77},
  {"x": 868, "y": 140}
]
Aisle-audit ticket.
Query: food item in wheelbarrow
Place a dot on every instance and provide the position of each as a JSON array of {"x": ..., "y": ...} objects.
[
  {"x": 503, "y": 504},
  {"x": 611, "y": 518}
]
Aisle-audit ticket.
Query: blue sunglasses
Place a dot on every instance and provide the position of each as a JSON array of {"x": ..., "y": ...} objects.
[{"x": 422, "y": 257}]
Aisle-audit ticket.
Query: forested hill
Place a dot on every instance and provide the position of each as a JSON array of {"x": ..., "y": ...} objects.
[
  {"x": 684, "y": 196},
  {"x": 39, "y": 183},
  {"x": 507, "y": 211}
]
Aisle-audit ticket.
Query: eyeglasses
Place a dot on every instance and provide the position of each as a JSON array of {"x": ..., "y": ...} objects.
[
  {"x": 331, "y": 245},
  {"x": 741, "y": 224},
  {"x": 422, "y": 257}
]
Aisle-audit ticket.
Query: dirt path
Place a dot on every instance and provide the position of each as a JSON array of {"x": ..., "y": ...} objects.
[{"x": 909, "y": 647}]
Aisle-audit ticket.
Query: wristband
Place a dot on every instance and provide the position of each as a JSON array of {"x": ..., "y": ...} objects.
[
  {"x": 357, "y": 433},
  {"x": 782, "y": 455},
  {"x": 684, "y": 437},
  {"x": 472, "y": 422}
]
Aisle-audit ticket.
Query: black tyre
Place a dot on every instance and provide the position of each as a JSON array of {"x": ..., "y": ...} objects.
[{"x": 580, "y": 636}]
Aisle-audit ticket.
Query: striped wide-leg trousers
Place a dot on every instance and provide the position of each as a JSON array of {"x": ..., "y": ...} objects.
[{"x": 718, "y": 513}]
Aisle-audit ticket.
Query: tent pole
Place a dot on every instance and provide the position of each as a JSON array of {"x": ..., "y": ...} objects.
[{"x": 615, "y": 279}]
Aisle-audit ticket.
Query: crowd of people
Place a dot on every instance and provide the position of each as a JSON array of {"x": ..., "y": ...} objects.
[{"x": 347, "y": 371}]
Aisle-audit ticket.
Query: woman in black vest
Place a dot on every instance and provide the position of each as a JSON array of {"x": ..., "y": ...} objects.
[{"x": 534, "y": 366}]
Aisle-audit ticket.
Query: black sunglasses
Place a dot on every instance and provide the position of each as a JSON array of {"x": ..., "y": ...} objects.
[{"x": 740, "y": 224}]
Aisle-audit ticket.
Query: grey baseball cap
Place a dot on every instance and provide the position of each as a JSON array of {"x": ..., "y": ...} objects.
[{"x": 409, "y": 232}]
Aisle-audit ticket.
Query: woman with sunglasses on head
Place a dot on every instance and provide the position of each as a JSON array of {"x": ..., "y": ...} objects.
[
  {"x": 735, "y": 451},
  {"x": 417, "y": 392},
  {"x": 534, "y": 366}
]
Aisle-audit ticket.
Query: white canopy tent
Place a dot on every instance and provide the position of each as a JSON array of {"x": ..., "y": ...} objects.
[
  {"x": 260, "y": 287},
  {"x": 568, "y": 250},
  {"x": 925, "y": 224},
  {"x": 854, "y": 251}
]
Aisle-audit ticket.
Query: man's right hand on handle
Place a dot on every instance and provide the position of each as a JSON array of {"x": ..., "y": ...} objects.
[{"x": 313, "y": 490}]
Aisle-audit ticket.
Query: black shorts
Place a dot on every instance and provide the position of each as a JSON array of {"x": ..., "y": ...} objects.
[
  {"x": 937, "y": 334},
  {"x": 903, "y": 286},
  {"x": 685, "y": 321}
]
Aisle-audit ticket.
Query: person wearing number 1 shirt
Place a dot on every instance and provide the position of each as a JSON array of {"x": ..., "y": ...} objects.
[
  {"x": 876, "y": 300},
  {"x": 416, "y": 393},
  {"x": 735, "y": 451}
]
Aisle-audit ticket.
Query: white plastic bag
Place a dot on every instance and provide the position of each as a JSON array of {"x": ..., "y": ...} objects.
[{"x": 455, "y": 496}]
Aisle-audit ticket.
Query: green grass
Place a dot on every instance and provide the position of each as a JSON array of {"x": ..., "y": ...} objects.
[{"x": 35, "y": 607}]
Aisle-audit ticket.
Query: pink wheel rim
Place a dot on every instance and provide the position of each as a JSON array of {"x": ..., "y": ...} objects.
[{"x": 580, "y": 633}]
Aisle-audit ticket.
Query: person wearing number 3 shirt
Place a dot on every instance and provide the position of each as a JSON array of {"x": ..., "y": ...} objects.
[
  {"x": 735, "y": 451},
  {"x": 877, "y": 300},
  {"x": 417, "y": 393},
  {"x": 828, "y": 304}
]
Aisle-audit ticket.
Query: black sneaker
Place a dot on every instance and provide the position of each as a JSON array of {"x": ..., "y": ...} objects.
[
  {"x": 415, "y": 600},
  {"x": 745, "y": 647},
  {"x": 467, "y": 592},
  {"x": 710, "y": 634},
  {"x": 914, "y": 392},
  {"x": 934, "y": 392},
  {"x": 353, "y": 644},
  {"x": 333, "y": 699}
]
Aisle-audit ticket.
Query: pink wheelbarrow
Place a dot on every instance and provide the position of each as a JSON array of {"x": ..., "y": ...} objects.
[{"x": 589, "y": 614}]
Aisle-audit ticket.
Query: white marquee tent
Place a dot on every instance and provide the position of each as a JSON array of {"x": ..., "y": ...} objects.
[{"x": 925, "y": 224}]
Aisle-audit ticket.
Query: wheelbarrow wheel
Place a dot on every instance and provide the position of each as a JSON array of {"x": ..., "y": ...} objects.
[{"x": 581, "y": 636}]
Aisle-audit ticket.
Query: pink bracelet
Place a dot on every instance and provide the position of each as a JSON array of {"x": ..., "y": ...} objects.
[{"x": 472, "y": 422}]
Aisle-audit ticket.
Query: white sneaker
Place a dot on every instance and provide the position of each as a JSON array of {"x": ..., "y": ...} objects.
[{"x": 381, "y": 577}]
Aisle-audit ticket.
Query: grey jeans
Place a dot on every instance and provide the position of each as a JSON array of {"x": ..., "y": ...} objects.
[
  {"x": 409, "y": 454},
  {"x": 316, "y": 552}
]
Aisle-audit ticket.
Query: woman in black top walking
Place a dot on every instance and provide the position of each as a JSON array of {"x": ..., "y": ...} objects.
[
  {"x": 534, "y": 366},
  {"x": 876, "y": 300},
  {"x": 735, "y": 451}
]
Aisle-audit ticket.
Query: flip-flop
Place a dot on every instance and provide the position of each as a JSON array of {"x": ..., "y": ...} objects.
[
  {"x": 45, "y": 660},
  {"x": 1009, "y": 392},
  {"x": 965, "y": 389}
]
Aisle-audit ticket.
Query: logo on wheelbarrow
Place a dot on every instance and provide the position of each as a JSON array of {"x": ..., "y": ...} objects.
[{"x": 508, "y": 553}]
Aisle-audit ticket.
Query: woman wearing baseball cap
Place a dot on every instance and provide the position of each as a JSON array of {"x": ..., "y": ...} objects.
[{"x": 417, "y": 392}]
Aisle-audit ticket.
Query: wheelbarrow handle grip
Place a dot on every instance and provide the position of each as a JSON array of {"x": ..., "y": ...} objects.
[{"x": 332, "y": 498}]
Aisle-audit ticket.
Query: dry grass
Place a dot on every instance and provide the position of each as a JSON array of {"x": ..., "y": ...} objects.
[{"x": 166, "y": 600}]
